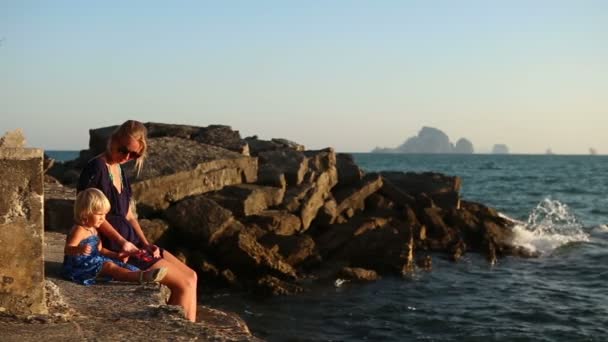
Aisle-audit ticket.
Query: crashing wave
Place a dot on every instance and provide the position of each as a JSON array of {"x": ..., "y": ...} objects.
[{"x": 550, "y": 225}]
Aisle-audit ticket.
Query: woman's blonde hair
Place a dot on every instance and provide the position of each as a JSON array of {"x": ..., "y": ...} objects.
[
  {"x": 90, "y": 201},
  {"x": 136, "y": 130}
]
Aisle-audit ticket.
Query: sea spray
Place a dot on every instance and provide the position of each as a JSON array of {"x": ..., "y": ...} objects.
[{"x": 550, "y": 225}]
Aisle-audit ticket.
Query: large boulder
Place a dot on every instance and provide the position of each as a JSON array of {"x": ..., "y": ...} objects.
[
  {"x": 315, "y": 198},
  {"x": 209, "y": 274},
  {"x": 352, "y": 198},
  {"x": 396, "y": 194},
  {"x": 243, "y": 254},
  {"x": 257, "y": 146},
  {"x": 306, "y": 199},
  {"x": 338, "y": 235},
  {"x": 348, "y": 171},
  {"x": 358, "y": 274},
  {"x": 279, "y": 222},
  {"x": 177, "y": 168},
  {"x": 382, "y": 247},
  {"x": 200, "y": 220},
  {"x": 377, "y": 201},
  {"x": 248, "y": 199},
  {"x": 159, "y": 130},
  {"x": 269, "y": 285},
  {"x": 271, "y": 175},
  {"x": 67, "y": 173},
  {"x": 295, "y": 249},
  {"x": 155, "y": 230},
  {"x": 328, "y": 213},
  {"x": 58, "y": 207},
  {"x": 443, "y": 190},
  {"x": 222, "y": 136},
  {"x": 439, "y": 235},
  {"x": 98, "y": 139},
  {"x": 293, "y": 164}
]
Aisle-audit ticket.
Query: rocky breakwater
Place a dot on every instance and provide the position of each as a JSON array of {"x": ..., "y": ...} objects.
[{"x": 270, "y": 216}]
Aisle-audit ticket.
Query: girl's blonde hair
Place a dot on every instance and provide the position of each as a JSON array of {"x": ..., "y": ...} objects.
[
  {"x": 137, "y": 131},
  {"x": 90, "y": 201}
]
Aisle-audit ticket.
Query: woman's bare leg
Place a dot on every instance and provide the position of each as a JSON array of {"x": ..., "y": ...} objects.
[
  {"x": 182, "y": 282},
  {"x": 191, "y": 280}
]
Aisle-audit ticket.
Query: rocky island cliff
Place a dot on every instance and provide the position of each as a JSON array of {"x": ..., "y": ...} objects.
[{"x": 430, "y": 140}]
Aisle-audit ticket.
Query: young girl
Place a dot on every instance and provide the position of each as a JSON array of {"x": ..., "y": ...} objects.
[{"x": 85, "y": 258}]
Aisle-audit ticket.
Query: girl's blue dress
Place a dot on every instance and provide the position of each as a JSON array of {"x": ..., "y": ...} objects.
[{"x": 84, "y": 269}]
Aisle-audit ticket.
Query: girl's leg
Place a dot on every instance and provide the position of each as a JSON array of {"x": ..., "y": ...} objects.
[
  {"x": 123, "y": 274},
  {"x": 182, "y": 281}
]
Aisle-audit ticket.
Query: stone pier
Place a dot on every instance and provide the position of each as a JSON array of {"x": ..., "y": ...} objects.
[{"x": 21, "y": 231}]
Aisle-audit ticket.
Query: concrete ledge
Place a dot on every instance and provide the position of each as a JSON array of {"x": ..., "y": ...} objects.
[
  {"x": 16, "y": 153},
  {"x": 21, "y": 231}
]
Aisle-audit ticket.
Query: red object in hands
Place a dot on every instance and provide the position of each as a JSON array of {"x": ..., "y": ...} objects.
[{"x": 143, "y": 255}]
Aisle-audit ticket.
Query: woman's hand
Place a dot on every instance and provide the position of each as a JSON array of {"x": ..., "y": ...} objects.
[
  {"x": 154, "y": 250},
  {"x": 123, "y": 256},
  {"x": 129, "y": 248}
]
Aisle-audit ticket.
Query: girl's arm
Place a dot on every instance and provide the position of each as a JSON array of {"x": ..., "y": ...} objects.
[
  {"x": 109, "y": 253},
  {"x": 72, "y": 243}
]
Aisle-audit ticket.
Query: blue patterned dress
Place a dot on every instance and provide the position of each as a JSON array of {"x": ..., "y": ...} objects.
[{"x": 84, "y": 269}]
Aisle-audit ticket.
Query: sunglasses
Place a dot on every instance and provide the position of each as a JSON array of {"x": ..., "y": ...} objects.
[{"x": 130, "y": 154}]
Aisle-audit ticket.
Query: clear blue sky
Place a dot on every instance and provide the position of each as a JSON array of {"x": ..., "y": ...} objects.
[{"x": 347, "y": 74}]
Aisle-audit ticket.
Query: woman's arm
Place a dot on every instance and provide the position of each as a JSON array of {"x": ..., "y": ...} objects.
[
  {"x": 108, "y": 231},
  {"x": 140, "y": 233},
  {"x": 153, "y": 249}
]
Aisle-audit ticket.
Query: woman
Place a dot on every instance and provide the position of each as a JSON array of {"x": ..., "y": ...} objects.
[{"x": 120, "y": 231}]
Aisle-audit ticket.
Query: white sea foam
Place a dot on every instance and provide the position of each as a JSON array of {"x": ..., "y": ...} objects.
[
  {"x": 549, "y": 226},
  {"x": 602, "y": 228}
]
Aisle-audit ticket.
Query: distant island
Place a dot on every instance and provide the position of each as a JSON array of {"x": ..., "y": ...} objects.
[
  {"x": 430, "y": 140},
  {"x": 500, "y": 149}
]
